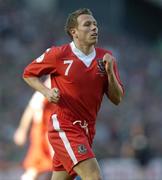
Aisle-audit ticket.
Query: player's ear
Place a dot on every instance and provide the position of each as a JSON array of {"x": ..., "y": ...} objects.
[{"x": 73, "y": 32}]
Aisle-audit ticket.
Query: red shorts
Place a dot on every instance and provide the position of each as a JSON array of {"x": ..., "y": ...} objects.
[{"x": 70, "y": 143}]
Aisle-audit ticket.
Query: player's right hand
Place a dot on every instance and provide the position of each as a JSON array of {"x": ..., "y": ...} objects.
[{"x": 53, "y": 95}]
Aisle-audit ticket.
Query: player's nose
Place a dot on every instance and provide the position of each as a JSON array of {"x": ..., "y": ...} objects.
[{"x": 94, "y": 29}]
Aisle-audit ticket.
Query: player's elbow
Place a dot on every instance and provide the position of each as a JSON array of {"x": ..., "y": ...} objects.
[{"x": 116, "y": 99}]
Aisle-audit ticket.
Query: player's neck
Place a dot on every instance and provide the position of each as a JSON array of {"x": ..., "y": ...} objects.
[{"x": 86, "y": 49}]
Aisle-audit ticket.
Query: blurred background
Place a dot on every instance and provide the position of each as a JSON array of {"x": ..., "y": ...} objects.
[{"x": 128, "y": 142}]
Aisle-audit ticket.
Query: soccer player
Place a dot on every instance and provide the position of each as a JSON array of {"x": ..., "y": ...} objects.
[
  {"x": 39, "y": 155},
  {"x": 80, "y": 75}
]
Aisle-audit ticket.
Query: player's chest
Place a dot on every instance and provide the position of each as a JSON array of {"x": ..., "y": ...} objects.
[{"x": 74, "y": 70}]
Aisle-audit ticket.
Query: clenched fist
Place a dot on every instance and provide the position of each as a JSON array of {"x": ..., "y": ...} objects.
[
  {"x": 53, "y": 95},
  {"x": 109, "y": 63}
]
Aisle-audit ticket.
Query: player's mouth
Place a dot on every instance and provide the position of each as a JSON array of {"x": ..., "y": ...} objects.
[{"x": 94, "y": 35}]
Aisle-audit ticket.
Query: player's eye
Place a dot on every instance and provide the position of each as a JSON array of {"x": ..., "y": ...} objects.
[
  {"x": 87, "y": 24},
  {"x": 95, "y": 24}
]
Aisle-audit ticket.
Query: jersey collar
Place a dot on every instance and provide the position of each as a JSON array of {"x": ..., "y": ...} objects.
[{"x": 86, "y": 59}]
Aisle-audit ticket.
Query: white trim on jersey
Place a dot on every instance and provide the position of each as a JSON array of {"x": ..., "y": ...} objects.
[
  {"x": 64, "y": 138},
  {"x": 86, "y": 59}
]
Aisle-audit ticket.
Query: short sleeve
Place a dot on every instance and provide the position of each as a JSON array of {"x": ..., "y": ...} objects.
[{"x": 43, "y": 65}]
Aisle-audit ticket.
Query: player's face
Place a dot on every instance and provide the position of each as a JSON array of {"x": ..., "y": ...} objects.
[{"x": 87, "y": 31}]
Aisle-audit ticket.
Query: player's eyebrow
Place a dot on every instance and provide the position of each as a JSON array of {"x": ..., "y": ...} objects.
[{"x": 90, "y": 21}]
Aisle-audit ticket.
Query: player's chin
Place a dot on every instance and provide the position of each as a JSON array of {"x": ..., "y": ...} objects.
[{"x": 94, "y": 41}]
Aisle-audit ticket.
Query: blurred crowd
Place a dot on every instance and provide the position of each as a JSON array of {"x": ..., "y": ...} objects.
[
  {"x": 137, "y": 120},
  {"x": 133, "y": 129}
]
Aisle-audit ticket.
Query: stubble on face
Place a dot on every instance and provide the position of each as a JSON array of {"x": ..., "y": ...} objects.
[{"x": 87, "y": 29}]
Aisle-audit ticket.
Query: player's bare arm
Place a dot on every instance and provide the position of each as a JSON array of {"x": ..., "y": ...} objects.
[
  {"x": 52, "y": 95},
  {"x": 115, "y": 91}
]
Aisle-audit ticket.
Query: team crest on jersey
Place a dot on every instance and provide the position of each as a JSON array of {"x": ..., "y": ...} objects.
[
  {"x": 101, "y": 66},
  {"x": 82, "y": 149}
]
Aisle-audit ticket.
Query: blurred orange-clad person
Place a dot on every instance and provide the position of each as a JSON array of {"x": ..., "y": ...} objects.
[{"x": 39, "y": 155}]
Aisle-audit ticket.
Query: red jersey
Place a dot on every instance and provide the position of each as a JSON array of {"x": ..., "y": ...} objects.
[{"x": 81, "y": 79}]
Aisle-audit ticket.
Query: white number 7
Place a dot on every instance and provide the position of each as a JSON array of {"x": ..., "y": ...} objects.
[{"x": 69, "y": 62}]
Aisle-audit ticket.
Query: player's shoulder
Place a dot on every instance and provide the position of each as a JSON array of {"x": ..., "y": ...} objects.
[
  {"x": 102, "y": 51},
  {"x": 60, "y": 50}
]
